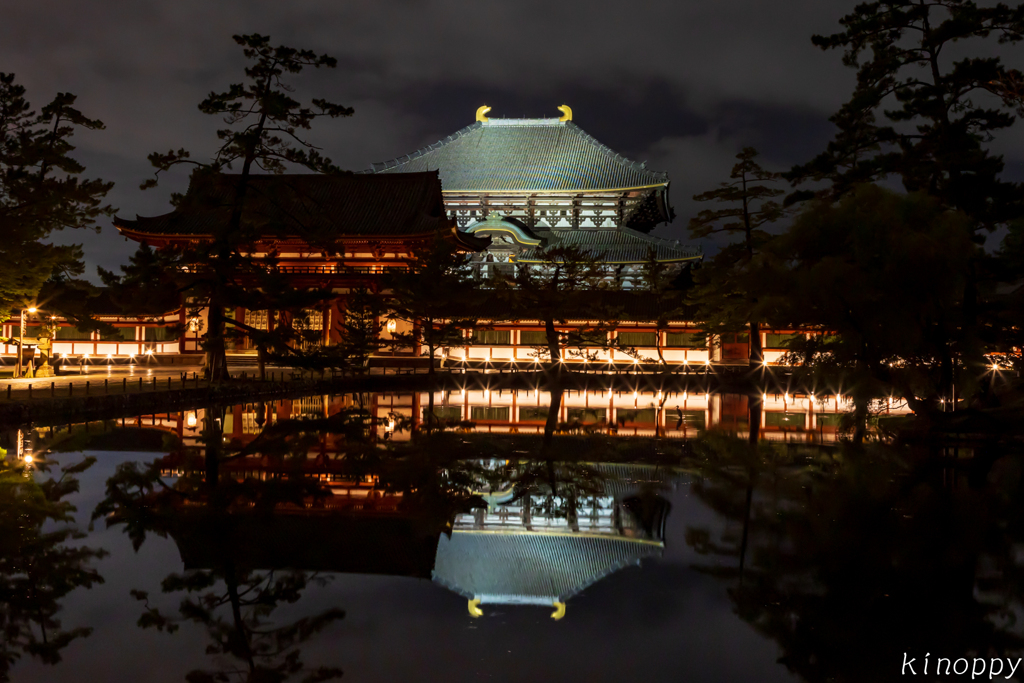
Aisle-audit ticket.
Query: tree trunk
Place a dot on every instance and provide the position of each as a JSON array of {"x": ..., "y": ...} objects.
[
  {"x": 554, "y": 408},
  {"x": 213, "y": 438},
  {"x": 216, "y": 354},
  {"x": 860, "y": 417},
  {"x": 430, "y": 389},
  {"x": 754, "y": 421},
  {"x": 756, "y": 350}
]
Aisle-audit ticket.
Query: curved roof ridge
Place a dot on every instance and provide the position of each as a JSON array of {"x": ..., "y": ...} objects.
[{"x": 397, "y": 161}]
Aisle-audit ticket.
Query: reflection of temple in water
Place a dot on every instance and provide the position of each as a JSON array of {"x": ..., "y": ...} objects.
[
  {"x": 544, "y": 549},
  {"x": 536, "y": 544}
]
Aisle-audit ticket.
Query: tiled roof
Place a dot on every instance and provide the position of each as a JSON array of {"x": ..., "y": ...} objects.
[
  {"x": 618, "y": 246},
  {"x": 307, "y": 205},
  {"x": 530, "y": 568},
  {"x": 524, "y": 154}
]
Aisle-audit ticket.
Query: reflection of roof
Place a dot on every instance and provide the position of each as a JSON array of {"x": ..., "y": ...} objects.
[
  {"x": 522, "y": 155},
  {"x": 618, "y": 246},
  {"x": 306, "y": 205},
  {"x": 531, "y": 568},
  {"x": 351, "y": 543}
]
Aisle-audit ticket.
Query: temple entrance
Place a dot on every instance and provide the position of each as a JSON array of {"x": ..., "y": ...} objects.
[{"x": 735, "y": 346}]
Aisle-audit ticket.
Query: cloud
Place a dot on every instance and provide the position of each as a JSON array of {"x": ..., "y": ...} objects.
[{"x": 686, "y": 82}]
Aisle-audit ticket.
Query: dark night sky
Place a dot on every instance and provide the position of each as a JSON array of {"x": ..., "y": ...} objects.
[{"x": 682, "y": 85}]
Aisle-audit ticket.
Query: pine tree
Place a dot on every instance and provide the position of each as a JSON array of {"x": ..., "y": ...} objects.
[
  {"x": 41, "y": 192},
  {"x": 724, "y": 296},
  {"x": 264, "y": 136},
  {"x": 938, "y": 122}
]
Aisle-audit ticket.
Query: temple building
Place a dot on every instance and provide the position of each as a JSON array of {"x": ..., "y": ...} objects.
[
  {"x": 531, "y": 184},
  {"x": 327, "y": 231}
]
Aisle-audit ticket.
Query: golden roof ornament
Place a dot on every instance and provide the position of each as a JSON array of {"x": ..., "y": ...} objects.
[
  {"x": 481, "y": 113},
  {"x": 566, "y": 113}
]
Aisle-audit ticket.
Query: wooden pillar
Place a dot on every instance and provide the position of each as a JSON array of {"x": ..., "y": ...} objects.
[{"x": 183, "y": 322}]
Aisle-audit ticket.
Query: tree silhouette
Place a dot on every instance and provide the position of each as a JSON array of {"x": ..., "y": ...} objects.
[
  {"x": 848, "y": 560},
  {"x": 725, "y": 297},
  {"x": 41, "y": 192},
  {"x": 266, "y": 122},
  {"x": 40, "y": 561}
]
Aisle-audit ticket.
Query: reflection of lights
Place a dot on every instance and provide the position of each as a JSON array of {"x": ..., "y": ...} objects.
[{"x": 191, "y": 420}]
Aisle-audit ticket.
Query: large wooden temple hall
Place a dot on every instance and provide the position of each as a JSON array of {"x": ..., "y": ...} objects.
[{"x": 530, "y": 184}]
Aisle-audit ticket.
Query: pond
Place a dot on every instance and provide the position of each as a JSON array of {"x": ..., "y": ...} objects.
[{"x": 329, "y": 535}]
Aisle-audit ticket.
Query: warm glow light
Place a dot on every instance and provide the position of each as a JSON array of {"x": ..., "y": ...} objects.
[
  {"x": 707, "y": 397},
  {"x": 764, "y": 397},
  {"x": 31, "y": 309},
  {"x": 487, "y": 394},
  {"x": 85, "y": 356},
  {"x": 149, "y": 352},
  {"x": 685, "y": 395},
  {"x": 110, "y": 356},
  {"x": 707, "y": 361},
  {"x": 392, "y": 325},
  {"x": 191, "y": 420},
  {"x": 785, "y": 397},
  {"x": 28, "y": 459}
]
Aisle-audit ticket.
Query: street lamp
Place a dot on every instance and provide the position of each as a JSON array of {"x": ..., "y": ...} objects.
[{"x": 21, "y": 339}]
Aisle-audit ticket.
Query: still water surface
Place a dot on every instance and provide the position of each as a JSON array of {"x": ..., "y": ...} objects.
[{"x": 304, "y": 539}]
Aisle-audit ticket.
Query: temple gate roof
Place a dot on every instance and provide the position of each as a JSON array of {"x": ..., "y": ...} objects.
[{"x": 306, "y": 205}]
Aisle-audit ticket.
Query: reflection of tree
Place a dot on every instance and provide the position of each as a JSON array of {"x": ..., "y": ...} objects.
[
  {"x": 38, "y": 566},
  {"x": 232, "y": 499},
  {"x": 854, "y": 558},
  {"x": 234, "y": 603}
]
